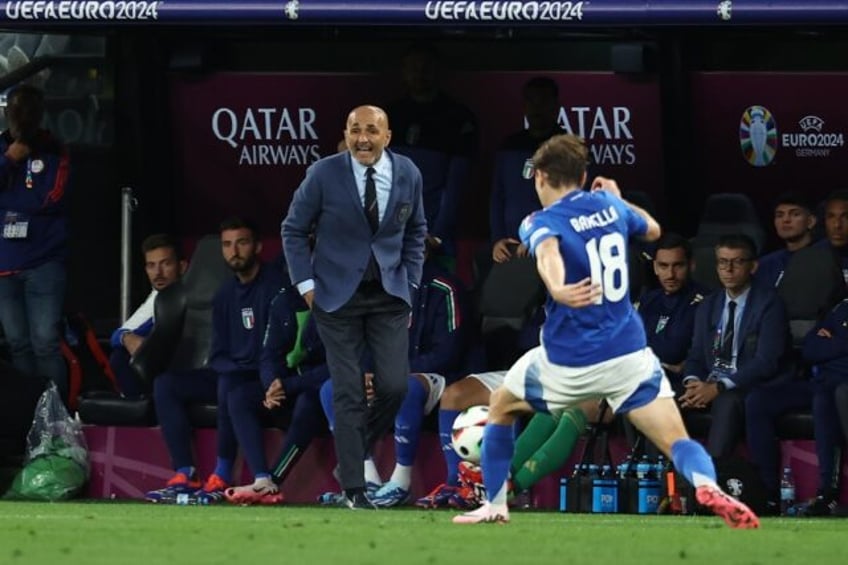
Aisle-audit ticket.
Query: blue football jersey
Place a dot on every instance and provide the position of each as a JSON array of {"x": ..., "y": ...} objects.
[{"x": 593, "y": 229}]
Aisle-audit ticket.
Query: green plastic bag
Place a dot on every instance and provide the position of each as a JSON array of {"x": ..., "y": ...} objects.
[{"x": 56, "y": 465}]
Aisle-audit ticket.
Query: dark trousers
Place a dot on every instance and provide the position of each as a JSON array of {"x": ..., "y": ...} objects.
[
  {"x": 727, "y": 423},
  {"x": 239, "y": 400},
  {"x": 240, "y": 410},
  {"x": 31, "y": 304},
  {"x": 376, "y": 320},
  {"x": 129, "y": 384},
  {"x": 763, "y": 406},
  {"x": 172, "y": 393},
  {"x": 830, "y": 422}
]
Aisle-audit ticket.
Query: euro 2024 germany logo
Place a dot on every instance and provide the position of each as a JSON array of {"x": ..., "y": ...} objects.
[{"x": 758, "y": 136}]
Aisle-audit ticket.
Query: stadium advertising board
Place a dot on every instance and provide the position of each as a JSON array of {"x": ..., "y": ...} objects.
[
  {"x": 244, "y": 141},
  {"x": 765, "y": 133}
]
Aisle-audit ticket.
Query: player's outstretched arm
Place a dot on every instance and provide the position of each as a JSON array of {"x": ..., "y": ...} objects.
[
  {"x": 552, "y": 270},
  {"x": 609, "y": 185}
]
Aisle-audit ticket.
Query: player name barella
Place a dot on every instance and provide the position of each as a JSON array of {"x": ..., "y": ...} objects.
[{"x": 596, "y": 220}]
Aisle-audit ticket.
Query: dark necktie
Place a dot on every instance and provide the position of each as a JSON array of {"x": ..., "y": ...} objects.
[
  {"x": 371, "y": 210},
  {"x": 727, "y": 337}
]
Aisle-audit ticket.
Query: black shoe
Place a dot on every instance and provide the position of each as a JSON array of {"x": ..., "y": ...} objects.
[
  {"x": 357, "y": 501},
  {"x": 841, "y": 511},
  {"x": 820, "y": 506}
]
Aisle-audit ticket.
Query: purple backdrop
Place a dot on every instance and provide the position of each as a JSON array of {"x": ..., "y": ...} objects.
[
  {"x": 243, "y": 141},
  {"x": 804, "y": 121}
]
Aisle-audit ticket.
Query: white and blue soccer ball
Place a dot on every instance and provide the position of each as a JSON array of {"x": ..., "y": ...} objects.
[{"x": 467, "y": 434}]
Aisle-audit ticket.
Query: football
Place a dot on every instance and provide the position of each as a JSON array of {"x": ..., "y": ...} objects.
[{"x": 467, "y": 435}]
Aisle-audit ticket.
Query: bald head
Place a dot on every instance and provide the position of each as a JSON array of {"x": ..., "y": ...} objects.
[{"x": 367, "y": 133}]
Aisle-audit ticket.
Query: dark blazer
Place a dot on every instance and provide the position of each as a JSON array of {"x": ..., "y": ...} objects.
[
  {"x": 763, "y": 338},
  {"x": 328, "y": 203}
]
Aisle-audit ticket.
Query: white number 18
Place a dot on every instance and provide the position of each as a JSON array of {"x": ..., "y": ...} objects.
[{"x": 608, "y": 265}]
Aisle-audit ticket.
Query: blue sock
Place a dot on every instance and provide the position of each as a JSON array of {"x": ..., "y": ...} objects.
[
  {"x": 498, "y": 445},
  {"x": 452, "y": 459},
  {"x": 326, "y": 395},
  {"x": 224, "y": 469},
  {"x": 187, "y": 471},
  {"x": 408, "y": 422},
  {"x": 692, "y": 461}
]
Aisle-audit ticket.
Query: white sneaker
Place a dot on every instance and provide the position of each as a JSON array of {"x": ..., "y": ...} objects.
[
  {"x": 488, "y": 513},
  {"x": 390, "y": 494}
]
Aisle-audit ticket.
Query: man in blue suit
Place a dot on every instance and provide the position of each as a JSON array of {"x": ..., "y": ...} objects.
[
  {"x": 365, "y": 210},
  {"x": 740, "y": 340}
]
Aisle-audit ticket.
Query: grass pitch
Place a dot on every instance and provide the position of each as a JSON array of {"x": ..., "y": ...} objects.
[{"x": 92, "y": 533}]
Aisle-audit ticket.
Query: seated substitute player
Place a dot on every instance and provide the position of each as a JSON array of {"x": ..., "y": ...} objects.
[
  {"x": 668, "y": 313},
  {"x": 239, "y": 317},
  {"x": 291, "y": 373},
  {"x": 794, "y": 220},
  {"x": 164, "y": 266},
  {"x": 593, "y": 341},
  {"x": 826, "y": 347}
]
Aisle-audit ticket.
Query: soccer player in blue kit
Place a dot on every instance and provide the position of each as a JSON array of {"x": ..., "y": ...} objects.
[{"x": 593, "y": 342}]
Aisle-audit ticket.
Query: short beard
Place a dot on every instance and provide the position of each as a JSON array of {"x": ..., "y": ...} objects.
[{"x": 248, "y": 264}]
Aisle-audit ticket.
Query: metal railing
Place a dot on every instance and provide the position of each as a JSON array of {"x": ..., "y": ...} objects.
[{"x": 128, "y": 206}]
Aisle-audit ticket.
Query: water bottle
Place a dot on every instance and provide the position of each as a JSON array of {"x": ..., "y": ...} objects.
[
  {"x": 660, "y": 467},
  {"x": 787, "y": 491},
  {"x": 563, "y": 494},
  {"x": 604, "y": 489},
  {"x": 643, "y": 468}
]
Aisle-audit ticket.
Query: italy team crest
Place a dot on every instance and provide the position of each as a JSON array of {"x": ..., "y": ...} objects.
[
  {"x": 528, "y": 170},
  {"x": 247, "y": 318}
]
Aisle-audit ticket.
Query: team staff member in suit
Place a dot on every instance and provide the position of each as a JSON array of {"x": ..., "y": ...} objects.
[
  {"x": 365, "y": 209},
  {"x": 740, "y": 342}
]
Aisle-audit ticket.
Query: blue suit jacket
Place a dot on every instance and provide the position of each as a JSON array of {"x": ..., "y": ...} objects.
[
  {"x": 762, "y": 341},
  {"x": 327, "y": 203}
]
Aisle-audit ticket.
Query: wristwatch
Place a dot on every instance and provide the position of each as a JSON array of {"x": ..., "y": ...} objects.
[{"x": 720, "y": 386}]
